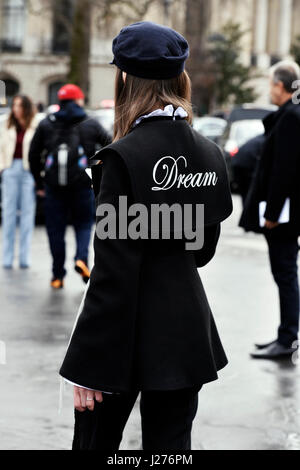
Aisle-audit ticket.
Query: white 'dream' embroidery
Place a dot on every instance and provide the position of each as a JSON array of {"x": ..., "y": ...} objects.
[{"x": 173, "y": 178}]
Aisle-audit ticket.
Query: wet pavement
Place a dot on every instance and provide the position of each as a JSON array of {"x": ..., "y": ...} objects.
[{"x": 254, "y": 405}]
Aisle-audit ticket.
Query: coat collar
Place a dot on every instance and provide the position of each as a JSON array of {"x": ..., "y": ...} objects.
[
  {"x": 35, "y": 121},
  {"x": 272, "y": 118},
  {"x": 168, "y": 111}
]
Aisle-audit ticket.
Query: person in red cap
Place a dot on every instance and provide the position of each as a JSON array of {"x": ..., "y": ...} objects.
[
  {"x": 71, "y": 92},
  {"x": 67, "y": 138}
]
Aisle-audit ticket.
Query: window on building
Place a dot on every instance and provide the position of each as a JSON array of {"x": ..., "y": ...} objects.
[
  {"x": 12, "y": 87},
  {"x": 12, "y": 25},
  {"x": 52, "y": 91},
  {"x": 275, "y": 58},
  {"x": 253, "y": 60},
  {"x": 62, "y": 20}
]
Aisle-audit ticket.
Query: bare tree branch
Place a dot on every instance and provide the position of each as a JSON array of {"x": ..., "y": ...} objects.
[
  {"x": 129, "y": 10},
  {"x": 78, "y": 25},
  {"x": 51, "y": 7}
]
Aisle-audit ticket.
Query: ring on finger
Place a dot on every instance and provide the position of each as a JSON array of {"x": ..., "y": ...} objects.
[{"x": 89, "y": 398}]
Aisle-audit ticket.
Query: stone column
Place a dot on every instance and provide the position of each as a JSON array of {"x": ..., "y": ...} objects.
[
  {"x": 285, "y": 28},
  {"x": 261, "y": 29}
]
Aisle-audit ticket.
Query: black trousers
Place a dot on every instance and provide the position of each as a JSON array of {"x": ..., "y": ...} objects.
[
  {"x": 283, "y": 254},
  {"x": 166, "y": 419},
  {"x": 59, "y": 204}
]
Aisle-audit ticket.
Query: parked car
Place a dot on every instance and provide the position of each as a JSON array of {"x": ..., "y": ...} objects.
[
  {"x": 250, "y": 111},
  {"x": 4, "y": 110},
  {"x": 210, "y": 127},
  {"x": 236, "y": 135},
  {"x": 106, "y": 117},
  {"x": 243, "y": 123}
]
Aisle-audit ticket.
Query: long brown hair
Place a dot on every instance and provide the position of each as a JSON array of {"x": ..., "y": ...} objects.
[
  {"x": 29, "y": 111},
  {"x": 139, "y": 96}
]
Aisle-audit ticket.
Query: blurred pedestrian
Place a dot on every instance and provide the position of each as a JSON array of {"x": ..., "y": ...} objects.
[
  {"x": 66, "y": 139},
  {"x": 277, "y": 184},
  {"x": 40, "y": 107},
  {"x": 145, "y": 323},
  {"x": 18, "y": 195},
  {"x": 244, "y": 164}
]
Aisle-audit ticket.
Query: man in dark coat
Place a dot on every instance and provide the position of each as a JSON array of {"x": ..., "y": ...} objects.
[
  {"x": 74, "y": 195},
  {"x": 277, "y": 183}
]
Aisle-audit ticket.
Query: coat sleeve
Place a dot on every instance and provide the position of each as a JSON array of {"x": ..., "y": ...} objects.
[
  {"x": 207, "y": 252},
  {"x": 284, "y": 167},
  {"x": 100, "y": 352},
  {"x": 35, "y": 156}
]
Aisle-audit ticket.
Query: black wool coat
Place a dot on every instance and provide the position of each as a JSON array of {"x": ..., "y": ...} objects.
[
  {"x": 277, "y": 174},
  {"x": 145, "y": 320}
]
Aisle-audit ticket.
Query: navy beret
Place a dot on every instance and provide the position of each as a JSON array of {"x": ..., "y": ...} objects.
[{"x": 149, "y": 50}]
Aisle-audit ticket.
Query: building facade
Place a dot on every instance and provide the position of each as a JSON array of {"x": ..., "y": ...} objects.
[
  {"x": 34, "y": 42},
  {"x": 271, "y": 26}
]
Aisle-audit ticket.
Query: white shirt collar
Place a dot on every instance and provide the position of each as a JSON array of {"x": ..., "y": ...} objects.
[{"x": 167, "y": 111}]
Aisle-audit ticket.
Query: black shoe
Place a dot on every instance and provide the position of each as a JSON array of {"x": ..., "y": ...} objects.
[
  {"x": 263, "y": 346},
  {"x": 273, "y": 351}
]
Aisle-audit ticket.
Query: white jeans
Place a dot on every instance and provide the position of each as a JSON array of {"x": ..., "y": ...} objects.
[{"x": 18, "y": 197}]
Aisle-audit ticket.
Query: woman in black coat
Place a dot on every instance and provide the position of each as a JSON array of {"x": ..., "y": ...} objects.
[{"x": 145, "y": 324}]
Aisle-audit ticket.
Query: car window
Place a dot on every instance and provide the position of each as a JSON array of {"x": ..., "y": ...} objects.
[{"x": 242, "y": 131}]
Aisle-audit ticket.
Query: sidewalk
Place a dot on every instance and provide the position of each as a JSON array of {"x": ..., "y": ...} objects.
[{"x": 254, "y": 405}]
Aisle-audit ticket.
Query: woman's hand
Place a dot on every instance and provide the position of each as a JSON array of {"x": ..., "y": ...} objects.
[
  {"x": 270, "y": 225},
  {"x": 84, "y": 398},
  {"x": 41, "y": 192}
]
